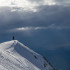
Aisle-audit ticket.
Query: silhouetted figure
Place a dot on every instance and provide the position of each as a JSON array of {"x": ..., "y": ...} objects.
[{"x": 13, "y": 37}]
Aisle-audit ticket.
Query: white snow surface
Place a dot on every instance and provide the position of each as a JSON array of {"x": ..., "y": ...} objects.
[{"x": 16, "y": 56}]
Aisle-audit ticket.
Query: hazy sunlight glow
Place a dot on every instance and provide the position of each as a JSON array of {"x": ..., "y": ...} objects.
[{"x": 27, "y": 5}]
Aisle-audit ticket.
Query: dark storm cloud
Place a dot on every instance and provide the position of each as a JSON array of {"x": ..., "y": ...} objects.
[{"x": 44, "y": 17}]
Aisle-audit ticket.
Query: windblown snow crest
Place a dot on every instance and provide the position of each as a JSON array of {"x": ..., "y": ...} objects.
[{"x": 16, "y": 56}]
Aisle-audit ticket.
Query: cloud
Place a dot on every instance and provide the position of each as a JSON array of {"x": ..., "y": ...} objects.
[
  {"x": 54, "y": 17},
  {"x": 27, "y": 5},
  {"x": 50, "y": 27},
  {"x": 62, "y": 2},
  {"x": 31, "y": 5},
  {"x": 27, "y": 29},
  {"x": 44, "y": 16}
]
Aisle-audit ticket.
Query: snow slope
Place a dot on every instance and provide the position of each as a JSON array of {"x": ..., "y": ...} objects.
[{"x": 16, "y": 56}]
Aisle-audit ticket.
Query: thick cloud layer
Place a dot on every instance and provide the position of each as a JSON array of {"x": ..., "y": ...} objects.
[{"x": 58, "y": 16}]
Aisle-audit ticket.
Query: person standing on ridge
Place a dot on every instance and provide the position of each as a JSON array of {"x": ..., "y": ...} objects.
[{"x": 13, "y": 37}]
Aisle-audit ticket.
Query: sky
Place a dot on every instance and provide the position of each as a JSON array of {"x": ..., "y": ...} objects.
[{"x": 42, "y": 25}]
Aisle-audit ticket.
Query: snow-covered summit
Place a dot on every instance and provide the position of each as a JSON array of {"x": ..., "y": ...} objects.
[{"x": 16, "y": 56}]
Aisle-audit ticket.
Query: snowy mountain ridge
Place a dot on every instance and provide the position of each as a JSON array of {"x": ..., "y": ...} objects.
[{"x": 16, "y": 56}]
